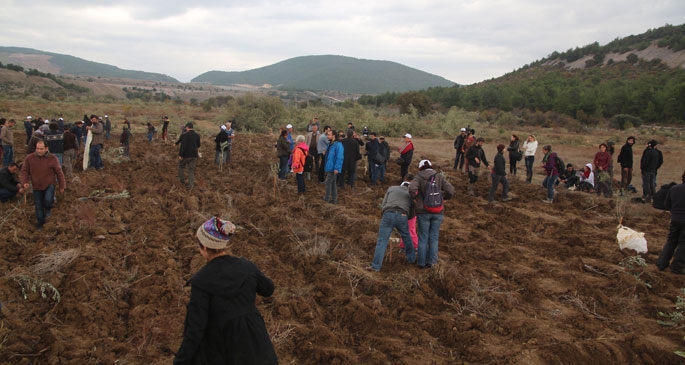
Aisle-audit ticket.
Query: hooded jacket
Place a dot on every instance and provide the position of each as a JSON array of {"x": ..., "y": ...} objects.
[
  {"x": 417, "y": 187},
  {"x": 590, "y": 177},
  {"x": 299, "y": 155},
  {"x": 223, "y": 325}
]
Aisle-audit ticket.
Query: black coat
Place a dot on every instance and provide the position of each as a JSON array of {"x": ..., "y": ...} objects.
[
  {"x": 190, "y": 143},
  {"x": 625, "y": 158},
  {"x": 223, "y": 325},
  {"x": 651, "y": 160},
  {"x": 8, "y": 180},
  {"x": 351, "y": 154}
]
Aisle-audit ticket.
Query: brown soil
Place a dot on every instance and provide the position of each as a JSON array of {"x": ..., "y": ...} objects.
[{"x": 518, "y": 282}]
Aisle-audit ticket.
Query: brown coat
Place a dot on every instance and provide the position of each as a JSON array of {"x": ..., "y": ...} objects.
[{"x": 43, "y": 171}]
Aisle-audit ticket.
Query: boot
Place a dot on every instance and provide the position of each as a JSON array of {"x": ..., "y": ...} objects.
[{"x": 529, "y": 177}]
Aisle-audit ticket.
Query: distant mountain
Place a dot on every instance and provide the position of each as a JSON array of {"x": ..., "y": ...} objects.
[
  {"x": 328, "y": 72},
  {"x": 60, "y": 64}
]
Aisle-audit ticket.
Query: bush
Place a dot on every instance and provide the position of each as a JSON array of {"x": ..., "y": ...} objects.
[{"x": 619, "y": 121}]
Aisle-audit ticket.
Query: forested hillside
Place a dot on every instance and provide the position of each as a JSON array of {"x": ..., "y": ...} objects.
[{"x": 635, "y": 89}]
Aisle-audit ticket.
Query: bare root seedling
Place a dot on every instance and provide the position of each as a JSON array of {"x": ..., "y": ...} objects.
[{"x": 578, "y": 302}]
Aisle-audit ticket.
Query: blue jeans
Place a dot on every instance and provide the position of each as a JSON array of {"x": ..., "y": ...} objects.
[
  {"x": 390, "y": 220},
  {"x": 43, "y": 200},
  {"x": 8, "y": 155},
  {"x": 283, "y": 166},
  {"x": 373, "y": 172},
  {"x": 381, "y": 172},
  {"x": 331, "y": 188},
  {"x": 548, "y": 183},
  {"x": 428, "y": 225},
  {"x": 95, "y": 158},
  {"x": 529, "y": 168},
  {"x": 299, "y": 177},
  {"x": 6, "y": 195},
  {"x": 60, "y": 157}
]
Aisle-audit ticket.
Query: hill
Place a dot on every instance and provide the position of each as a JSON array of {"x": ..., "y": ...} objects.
[
  {"x": 518, "y": 282},
  {"x": 328, "y": 72},
  {"x": 61, "y": 64}
]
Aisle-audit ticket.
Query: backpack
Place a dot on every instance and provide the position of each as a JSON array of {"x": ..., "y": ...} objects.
[
  {"x": 432, "y": 197},
  {"x": 560, "y": 165},
  {"x": 308, "y": 163}
]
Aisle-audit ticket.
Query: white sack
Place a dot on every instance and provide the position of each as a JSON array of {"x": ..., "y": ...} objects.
[{"x": 629, "y": 238}]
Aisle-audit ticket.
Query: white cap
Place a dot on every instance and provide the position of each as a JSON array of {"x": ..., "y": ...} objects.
[
  {"x": 407, "y": 135},
  {"x": 288, "y": 126},
  {"x": 223, "y": 127},
  {"x": 60, "y": 118},
  {"x": 29, "y": 117},
  {"x": 47, "y": 121},
  {"x": 463, "y": 130},
  {"x": 425, "y": 162},
  {"x": 106, "y": 116}
]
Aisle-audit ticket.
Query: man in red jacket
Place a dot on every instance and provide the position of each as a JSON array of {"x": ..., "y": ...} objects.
[{"x": 42, "y": 169}]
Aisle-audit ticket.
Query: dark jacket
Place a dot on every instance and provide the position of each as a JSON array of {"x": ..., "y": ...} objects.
[
  {"x": 625, "y": 158},
  {"x": 8, "y": 180},
  {"x": 651, "y": 160},
  {"x": 551, "y": 165},
  {"x": 351, "y": 154},
  {"x": 372, "y": 152},
  {"x": 70, "y": 142},
  {"x": 283, "y": 147},
  {"x": 220, "y": 138},
  {"x": 190, "y": 143},
  {"x": 223, "y": 325},
  {"x": 675, "y": 202},
  {"x": 55, "y": 141},
  {"x": 459, "y": 141},
  {"x": 474, "y": 152},
  {"x": 417, "y": 187},
  {"x": 500, "y": 164},
  {"x": 513, "y": 149},
  {"x": 384, "y": 150}
]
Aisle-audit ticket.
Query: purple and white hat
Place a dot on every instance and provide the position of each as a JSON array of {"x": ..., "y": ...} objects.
[{"x": 215, "y": 233}]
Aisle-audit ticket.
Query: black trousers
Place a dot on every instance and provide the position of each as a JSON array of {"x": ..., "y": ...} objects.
[{"x": 674, "y": 248}]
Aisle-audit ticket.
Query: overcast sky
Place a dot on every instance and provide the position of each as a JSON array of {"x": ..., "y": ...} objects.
[{"x": 462, "y": 41}]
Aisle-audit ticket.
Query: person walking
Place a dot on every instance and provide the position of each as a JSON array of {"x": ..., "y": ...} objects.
[
  {"x": 221, "y": 146},
  {"x": 41, "y": 169},
  {"x": 675, "y": 243},
  {"x": 108, "y": 127},
  {"x": 28, "y": 128},
  {"x": 55, "y": 140},
  {"x": 187, "y": 155},
  {"x": 428, "y": 222},
  {"x": 165, "y": 128},
  {"x": 529, "y": 148},
  {"x": 394, "y": 214},
  {"x": 222, "y": 324},
  {"x": 125, "y": 141},
  {"x": 499, "y": 176},
  {"x": 7, "y": 139},
  {"x": 475, "y": 157}
]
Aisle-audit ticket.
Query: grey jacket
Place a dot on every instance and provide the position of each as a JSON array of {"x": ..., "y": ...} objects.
[{"x": 396, "y": 198}]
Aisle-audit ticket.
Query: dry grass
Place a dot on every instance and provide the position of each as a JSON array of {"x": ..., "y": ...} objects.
[
  {"x": 55, "y": 261},
  {"x": 481, "y": 300},
  {"x": 576, "y": 300}
]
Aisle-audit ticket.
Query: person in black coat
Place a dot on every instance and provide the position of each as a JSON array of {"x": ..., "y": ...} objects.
[
  {"x": 351, "y": 155},
  {"x": 499, "y": 175},
  {"x": 651, "y": 161},
  {"x": 223, "y": 325},
  {"x": 9, "y": 185},
  {"x": 675, "y": 244},
  {"x": 625, "y": 159}
]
